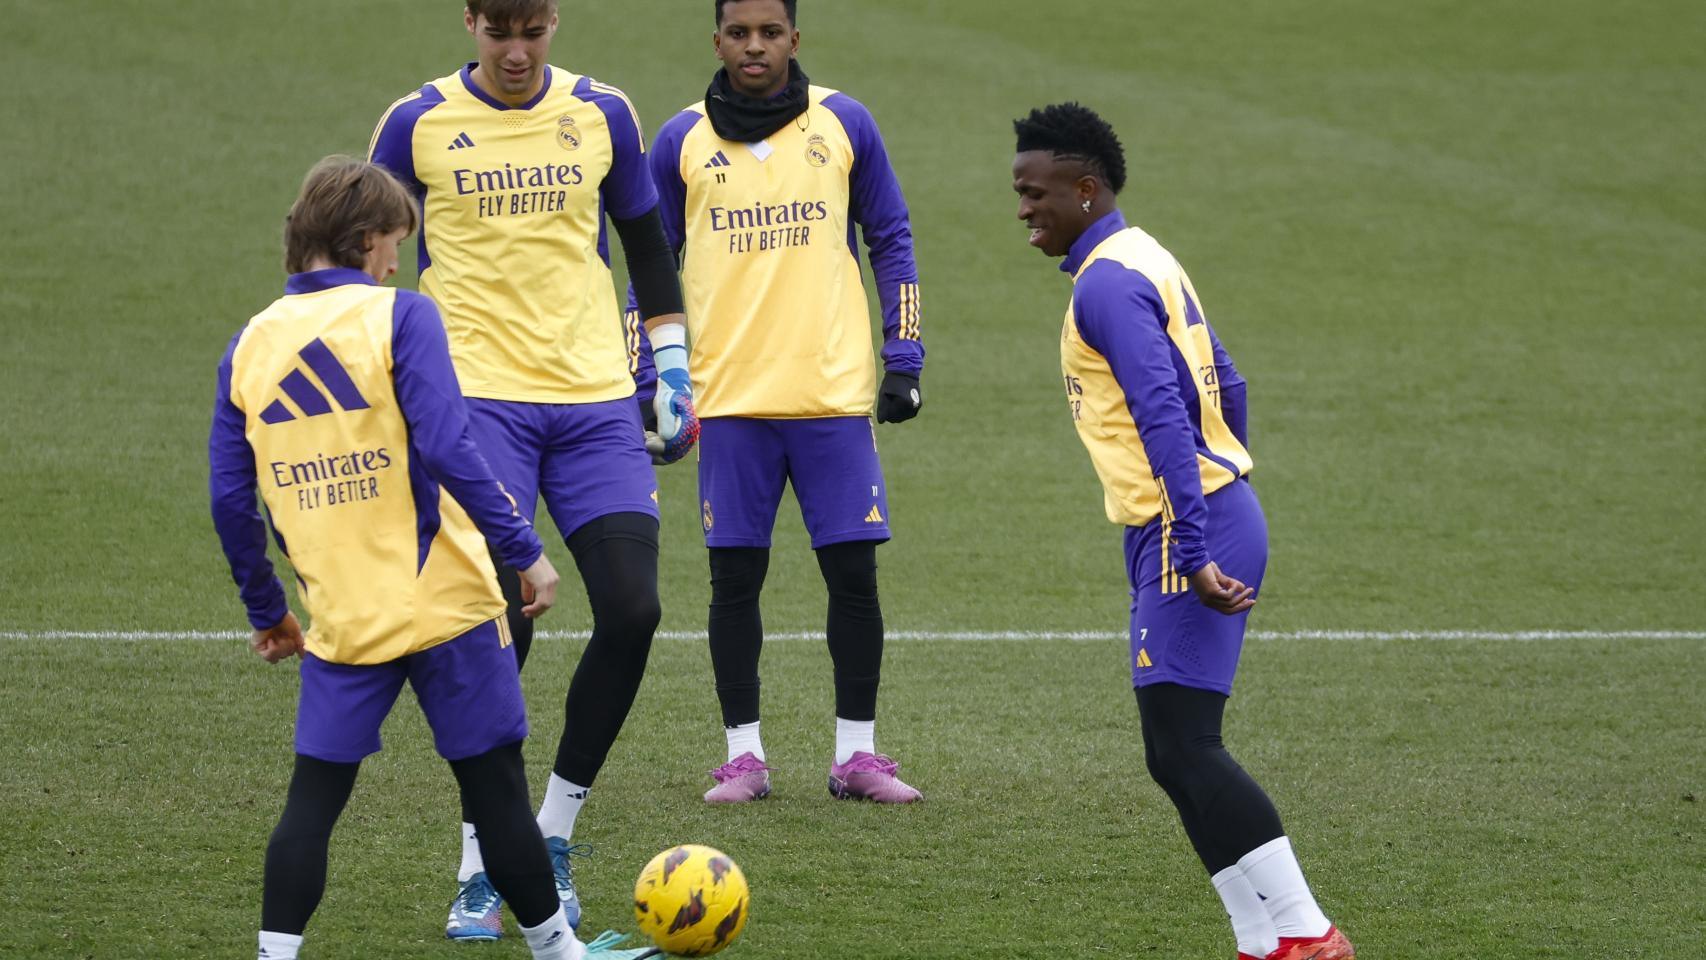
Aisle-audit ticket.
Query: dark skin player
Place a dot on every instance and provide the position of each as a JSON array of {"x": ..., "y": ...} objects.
[
  {"x": 1059, "y": 198},
  {"x": 755, "y": 41}
]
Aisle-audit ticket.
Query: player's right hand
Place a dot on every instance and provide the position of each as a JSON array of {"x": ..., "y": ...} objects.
[
  {"x": 538, "y": 587},
  {"x": 1221, "y": 593},
  {"x": 279, "y": 642},
  {"x": 678, "y": 421}
]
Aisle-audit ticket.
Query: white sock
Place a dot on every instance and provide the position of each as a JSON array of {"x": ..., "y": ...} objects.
[
  {"x": 472, "y": 862},
  {"x": 744, "y": 739},
  {"x": 1250, "y": 921},
  {"x": 563, "y": 802},
  {"x": 1273, "y": 871},
  {"x": 852, "y": 736},
  {"x": 553, "y": 940},
  {"x": 279, "y": 946}
]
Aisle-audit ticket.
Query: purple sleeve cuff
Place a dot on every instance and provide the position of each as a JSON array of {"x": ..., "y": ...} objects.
[
  {"x": 231, "y": 490},
  {"x": 1122, "y": 316},
  {"x": 431, "y": 399},
  {"x": 879, "y": 208}
]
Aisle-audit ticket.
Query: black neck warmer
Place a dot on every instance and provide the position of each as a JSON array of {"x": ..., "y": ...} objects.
[{"x": 743, "y": 119}]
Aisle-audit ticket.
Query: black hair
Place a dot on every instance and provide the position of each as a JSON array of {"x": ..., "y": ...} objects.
[
  {"x": 786, "y": 4},
  {"x": 1076, "y": 132}
]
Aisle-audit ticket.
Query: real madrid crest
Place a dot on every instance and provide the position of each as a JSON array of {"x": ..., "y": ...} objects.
[
  {"x": 568, "y": 135},
  {"x": 817, "y": 150},
  {"x": 706, "y": 516}
]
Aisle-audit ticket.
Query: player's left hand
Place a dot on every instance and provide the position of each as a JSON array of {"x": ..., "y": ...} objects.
[
  {"x": 678, "y": 422},
  {"x": 898, "y": 400},
  {"x": 279, "y": 642},
  {"x": 1221, "y": 593}
]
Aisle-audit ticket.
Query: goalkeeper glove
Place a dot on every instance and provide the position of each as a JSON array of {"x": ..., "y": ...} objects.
[
  {"x": 677, "y": 421},
  {"x": 899, "y": 399}
]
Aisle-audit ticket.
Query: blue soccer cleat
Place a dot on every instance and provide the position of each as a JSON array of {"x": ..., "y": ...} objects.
[
  {"x": 477, "y": 912},
  {"x": 560, "y": 851}
]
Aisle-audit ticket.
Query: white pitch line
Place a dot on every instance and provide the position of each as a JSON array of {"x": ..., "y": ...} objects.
[{"x": 969, "y": 635}]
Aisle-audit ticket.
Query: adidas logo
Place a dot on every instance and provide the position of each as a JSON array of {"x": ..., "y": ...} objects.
[
  {"x": 461, "y": 142},
  {"x": 875, "y": 516},
  {"x": 720, "y": 160},
  {"x": 307, "y": 396},
  {"x": 1144, "y": 661}
]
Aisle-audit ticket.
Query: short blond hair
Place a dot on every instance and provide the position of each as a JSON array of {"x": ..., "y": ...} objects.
[{"x": 342, "y": 201}]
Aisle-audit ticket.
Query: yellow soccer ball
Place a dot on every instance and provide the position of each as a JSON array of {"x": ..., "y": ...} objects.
[{"x": 691, "y": 900}]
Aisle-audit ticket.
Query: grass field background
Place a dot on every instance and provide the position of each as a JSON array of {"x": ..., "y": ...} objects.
[{"x": 1454, "y": 247}]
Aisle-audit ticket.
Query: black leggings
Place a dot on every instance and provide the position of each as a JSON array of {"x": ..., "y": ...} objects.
[
  {"x": 1225, "y": 812},
  {"x": 618, "y": 560},
  {"x": 494, "y": 793},
  {"x": 617, "y": 556},
  {"x": 854, "y": 627}
]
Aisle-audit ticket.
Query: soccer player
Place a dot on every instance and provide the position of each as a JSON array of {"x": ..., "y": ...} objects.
[
  {"x": 762, "y": 185},
  {"x": 516, "y": 163},
  {"x": 340, "y": 405},
  {"x": 1161, "y": 409}
]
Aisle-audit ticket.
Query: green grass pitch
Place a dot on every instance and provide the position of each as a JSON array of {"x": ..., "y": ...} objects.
[{"x": 1454, "y": 247}]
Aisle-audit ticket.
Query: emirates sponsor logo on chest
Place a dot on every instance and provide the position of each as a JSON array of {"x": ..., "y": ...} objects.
[
  {"x": 765, "y": 226},
  {"x": 512, "y": 190}
]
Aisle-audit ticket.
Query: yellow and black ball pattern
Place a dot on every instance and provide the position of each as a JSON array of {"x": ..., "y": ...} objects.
[{"x": 691, "y": 900}]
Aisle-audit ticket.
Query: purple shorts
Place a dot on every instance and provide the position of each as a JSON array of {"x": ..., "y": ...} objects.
[
  {"x": 831, "y": 461},
  {"x": 469, "y": 689},
  {"x": 1174, "y": 638},
  {"x": 588, "y": 459}
]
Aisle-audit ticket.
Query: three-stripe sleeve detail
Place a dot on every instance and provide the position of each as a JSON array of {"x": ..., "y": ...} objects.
[
  {"x": 1171, "y": 581},
  {"x": 911, "y": 312}
]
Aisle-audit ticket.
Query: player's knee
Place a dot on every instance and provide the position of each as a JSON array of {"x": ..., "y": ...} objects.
[
  {"x": 634, "y": 616},
  {"x": 850, "y": 571},
  {"x": 1171, "y": 760},
  {"x": 289, "y": 840},
  {"x": 737, "y": 574},
  {"x": 1157, "y": 763},
  {"x": 492, "y": 781},
  {"x": 297, "y": 829}
]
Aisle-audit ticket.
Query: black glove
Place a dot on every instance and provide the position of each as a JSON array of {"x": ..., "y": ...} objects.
[{"x": 898, "y": 400}]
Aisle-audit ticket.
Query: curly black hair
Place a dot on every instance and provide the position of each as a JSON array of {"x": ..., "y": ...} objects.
[
  {"x": 1073, "y": 131},
  {"x": 788, "y": 5}
]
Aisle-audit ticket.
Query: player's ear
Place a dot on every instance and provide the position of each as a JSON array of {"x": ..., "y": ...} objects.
[
  {"x": 1087, "y": 187},
  {"x": 468, "y": 19}
]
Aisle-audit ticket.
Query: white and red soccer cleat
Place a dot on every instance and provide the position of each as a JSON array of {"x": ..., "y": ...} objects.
[{"x": 1331, "y": 945}]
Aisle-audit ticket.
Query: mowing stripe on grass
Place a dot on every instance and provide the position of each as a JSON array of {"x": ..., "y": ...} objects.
[{"x": 969, "y": 635}]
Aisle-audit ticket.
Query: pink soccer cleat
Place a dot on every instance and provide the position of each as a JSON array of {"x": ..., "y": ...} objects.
[
  {"x": 870, "y": 776},
  {"x": 741, "y": 780}
]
